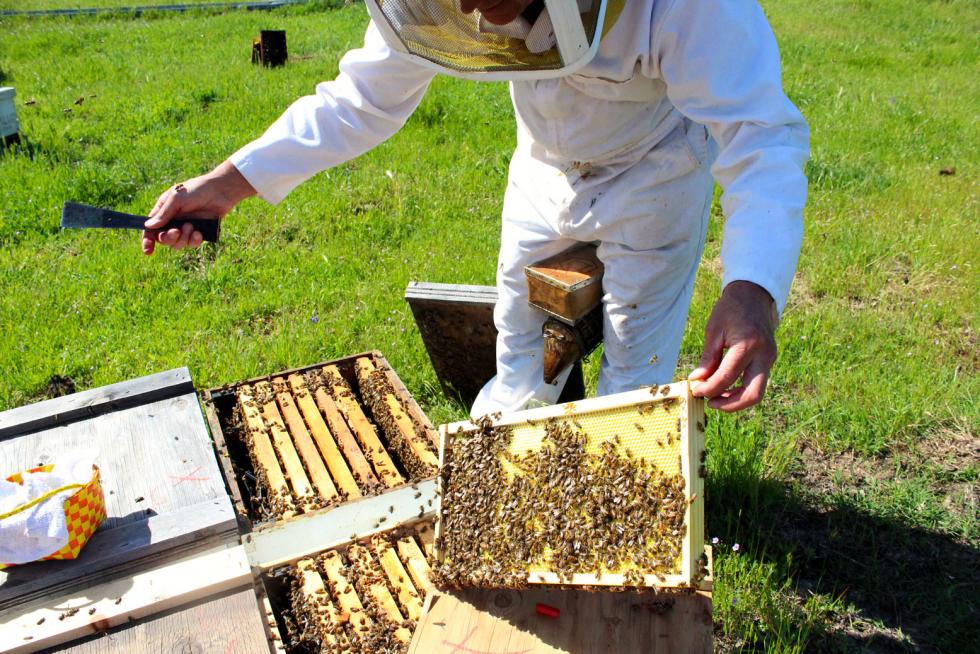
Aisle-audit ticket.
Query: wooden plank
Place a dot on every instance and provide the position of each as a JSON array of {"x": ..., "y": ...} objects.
[
  {"x": 350, "y": 604},
  {"x": 328, "y": 447},
  {"x": 415, "y": 560},
  {"x": 94, "y": 402},
  {"x": 318, "y": 601},
  {"x": 224, "y": 461},
  {"x": 304, "y": 442},
  {"x": 494, "y": 620},
  {"x": 426, "y": 537},
  {"x": 344, "y": 397},
  {"x": 348, "y": 444},
  {"x": 287, "y": 542},
  {"x": 120, "y": 549},
  {"x": 265, "y": 454},
  {"x": 367, "y": 569},
  {"x": 300, "y": 483},
  {"x": 229, "y": 622},
  {"x": 388, "y": 412},
  {"x": 52, "y": 621},
  {"x": 408, "y": 595},
  {"x": 156, "y": 460}
]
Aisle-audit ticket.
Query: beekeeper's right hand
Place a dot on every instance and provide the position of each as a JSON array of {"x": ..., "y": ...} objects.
[{"x": 211, "y": 195}]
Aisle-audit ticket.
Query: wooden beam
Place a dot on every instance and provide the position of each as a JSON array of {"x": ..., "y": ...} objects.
[
  {"x": 304, "y": 442},
  {"x": 121, "y": 549},
  {"x": 265, "y": 454},
  {"x": 344, "y": 397},
  {"x": 418, "y": 567},
  {"x": 314, "y": 592},
  {"x": 414, "y": 410},
  {"x": 567, "y": 285},
  {"x": 96, "y": 401},
  {"x": 307, "y": 534},
  {"x": 300, "y": 483},
  {"x": 52, "y": 621},
  {"x": 408, "y": 595},
  {"x": 339, "y": 469},
  {"x": 348, "y": 444},
  {"x": 350, "y": 604},
  {"x": 367, "y": 570},
  {"x": 388, "y": 413}
]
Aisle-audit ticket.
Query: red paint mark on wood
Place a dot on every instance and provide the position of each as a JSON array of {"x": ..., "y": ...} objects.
[
  {"x": 459, "y": 648},
  {"x": 180, "y": 479},
  {"x": 547, "y": 611},
  {"x": 231, "y": 646}
]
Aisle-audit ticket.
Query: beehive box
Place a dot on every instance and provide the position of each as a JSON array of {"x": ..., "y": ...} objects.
[
  {"x": 362, "y": 596},
  {"x": 604, "y": 492},
  {"x": 9, "y": 127},
  {"x": 315, "y": 437}
]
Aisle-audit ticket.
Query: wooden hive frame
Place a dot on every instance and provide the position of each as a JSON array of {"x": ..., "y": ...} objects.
[
  {"x": 313, "y": 442},
  {"x": 620, "y": 413},
  {"x": 389, "y": 571}
]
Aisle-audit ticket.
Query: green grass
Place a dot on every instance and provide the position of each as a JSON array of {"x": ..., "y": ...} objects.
[
  {"x": 34, "y": 5},
  {"x": 851, "y": 492}
]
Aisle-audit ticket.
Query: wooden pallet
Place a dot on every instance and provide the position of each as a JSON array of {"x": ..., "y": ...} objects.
[
  {"x": 662, "y": 427},
  {"x": 319, "y": 436}
]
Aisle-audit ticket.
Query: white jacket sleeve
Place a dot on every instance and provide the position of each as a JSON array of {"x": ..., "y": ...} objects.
[
  {"x": 720, "y": 62},
  {"x": 375, "y": 93}
]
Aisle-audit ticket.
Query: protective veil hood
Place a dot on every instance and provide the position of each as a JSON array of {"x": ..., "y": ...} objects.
[{"x": 551, "y": 38}]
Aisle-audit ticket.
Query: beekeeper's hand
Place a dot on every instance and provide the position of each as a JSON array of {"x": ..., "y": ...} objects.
[
  {"x": 211, "y": 195},
  {"x": 499, "y": 12},
  {"x": 739, "y": 343}
]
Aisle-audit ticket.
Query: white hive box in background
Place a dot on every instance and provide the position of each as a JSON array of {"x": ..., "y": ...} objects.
[{"x": 8, "y": 113}]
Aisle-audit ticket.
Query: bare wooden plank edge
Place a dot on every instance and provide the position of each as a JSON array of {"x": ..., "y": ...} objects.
[
  {"x": 307, "y": 534},
  {"x": 229, "y": 389},
  {"x": 53, "y": 621},
  {"x": 457, "y": 293},
  {"x": 224, "y": 460},
  {"x": 96, "y": 401},
  {"x": 692, "y": 444},
  {"x": 114, "y": 550},
  {"x": 326, "y": 443},
  {"x": 677, "y": 391}
]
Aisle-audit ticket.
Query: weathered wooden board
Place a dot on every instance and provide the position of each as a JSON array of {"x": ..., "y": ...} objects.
[
  {"x": 456, "y": 325},
  {"x": 60, "y": 619},
  {"x": 164, "y": 492},
  {"x": 230, "y": 623},
  {"x": 506, "y": 621}
]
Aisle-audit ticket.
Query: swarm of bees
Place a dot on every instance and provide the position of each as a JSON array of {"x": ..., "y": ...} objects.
[{"x": 562, "y": 509}]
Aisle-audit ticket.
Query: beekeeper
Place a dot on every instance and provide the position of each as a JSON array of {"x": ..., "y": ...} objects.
[{"x": 625, "y": 111}]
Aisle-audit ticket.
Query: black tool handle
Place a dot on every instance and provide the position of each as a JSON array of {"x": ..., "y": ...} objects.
[{"x": 210, "y": 228}]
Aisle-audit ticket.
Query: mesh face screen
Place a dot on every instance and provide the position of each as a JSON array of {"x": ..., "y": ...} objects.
[{"x": 438, "y": 31}]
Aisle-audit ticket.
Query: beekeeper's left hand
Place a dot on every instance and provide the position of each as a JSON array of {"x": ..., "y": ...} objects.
[{"x": 739, "y": 344}]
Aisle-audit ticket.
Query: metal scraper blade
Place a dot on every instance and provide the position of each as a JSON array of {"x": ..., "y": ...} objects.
[{"x": 75, "y": 215}]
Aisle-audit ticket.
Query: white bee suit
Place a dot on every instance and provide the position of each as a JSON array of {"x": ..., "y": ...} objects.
[{"x": 618, "y": 152}]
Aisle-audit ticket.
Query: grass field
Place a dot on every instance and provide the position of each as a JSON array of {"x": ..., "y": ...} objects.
[{"x": 851, "y": 493}]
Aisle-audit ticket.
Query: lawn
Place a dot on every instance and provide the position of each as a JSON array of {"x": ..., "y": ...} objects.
[{"x": 851, "y": 493}]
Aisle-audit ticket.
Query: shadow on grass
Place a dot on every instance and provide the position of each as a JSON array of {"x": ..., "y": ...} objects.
[{"x": 901, "y": 588}]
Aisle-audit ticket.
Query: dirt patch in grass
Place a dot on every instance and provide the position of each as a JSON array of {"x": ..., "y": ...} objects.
[
  {"x": 903, "y": 587},
  {"x": 57, "y": 386}
]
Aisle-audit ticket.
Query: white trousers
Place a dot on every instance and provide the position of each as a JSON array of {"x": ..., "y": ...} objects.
[{"x": 649, "y": 215}]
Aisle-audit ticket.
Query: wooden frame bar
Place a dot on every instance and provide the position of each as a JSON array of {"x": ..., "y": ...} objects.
[{"x": 691, "y": 433}]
